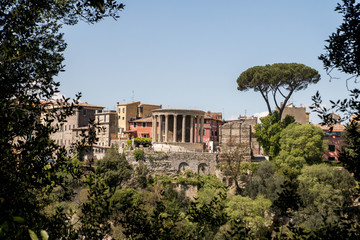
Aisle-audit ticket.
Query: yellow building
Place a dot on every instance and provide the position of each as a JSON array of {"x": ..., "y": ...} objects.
[
  {"x": 299, "y": 113},
  {"x": 131, "y": 111}
]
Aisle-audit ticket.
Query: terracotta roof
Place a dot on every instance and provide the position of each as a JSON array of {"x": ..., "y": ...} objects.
[
  {"x": 147, "y": 119},
  {"x": 130, "y": 131},
  {"x": 60, "y": 105},
  {"x": 336, "y": 128}
]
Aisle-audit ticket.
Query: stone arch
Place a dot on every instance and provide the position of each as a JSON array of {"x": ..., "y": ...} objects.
[
  {"x": 202, "y": 168},
  {"x": 183, "y": 166}
]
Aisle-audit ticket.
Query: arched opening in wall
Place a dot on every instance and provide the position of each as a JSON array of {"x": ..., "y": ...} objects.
[
  {"x": 224, "y": 180},
  {"x": 202, "y": 168},
  {"x": 183, "y": 167}
]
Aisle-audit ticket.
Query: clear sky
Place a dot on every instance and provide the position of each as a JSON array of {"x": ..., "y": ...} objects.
[{"x": 188, "y": 54}]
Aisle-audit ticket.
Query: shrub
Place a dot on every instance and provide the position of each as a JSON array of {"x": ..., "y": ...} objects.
[{"x": 139, "y": 154}]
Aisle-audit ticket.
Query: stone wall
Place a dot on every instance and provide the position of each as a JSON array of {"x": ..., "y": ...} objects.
[
  {"x": 178, "y": 147},
  {"x": 162, "y": 163}
]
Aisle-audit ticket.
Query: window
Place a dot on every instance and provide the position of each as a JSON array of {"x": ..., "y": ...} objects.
[
  {"x": 65, "y": 128},
  {"x": 123, "y": 110},
  {"x": 104, "y": 118},
  {"x": 123, "y": 118},
  {"x": 144, "y": 125},
  {"x": 331, "y": 158},
  {"x": 69, "y": 127},
  {"x": 135, "y": 125},
  {"x": 204, "y": 132},
  {"x": 331, "y": 148},
  {"x": 119, "y": 117},
  {"x": 84, "y": 111}
]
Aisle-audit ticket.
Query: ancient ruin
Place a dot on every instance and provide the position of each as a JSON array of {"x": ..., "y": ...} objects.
[{"x": 178, "y": 130}]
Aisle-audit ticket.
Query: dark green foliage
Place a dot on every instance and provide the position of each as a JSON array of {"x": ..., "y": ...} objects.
[
  {"x": 139, "y": 141},
  {"x": 300, "y": 145},
  {"x": 325, "y": 192},
  {"x": 207, "y": 216},
  {"x": 264, "y": 181},
  {"x": 350, "y": 153},
  {"x": 31, "y": 55},
  {"x": 96, "y": 211},
  {"x": 277, "y": 80},
  {"x": 267, "y": 132},
  {"x": 139, "y": 154},
  {"x": 142, "y": 175},
  {"x": 287, "y": 202},
  {"x": 113, "y": 168}
]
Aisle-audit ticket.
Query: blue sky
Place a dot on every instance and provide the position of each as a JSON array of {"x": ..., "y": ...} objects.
[{"x": 188, "y": 54}]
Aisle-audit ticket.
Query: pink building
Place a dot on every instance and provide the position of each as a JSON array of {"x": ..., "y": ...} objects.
[
  {"x": 141, "y": 128},
  {"x": 212, "y": 123},
  {"x": 335, "y": 141}
]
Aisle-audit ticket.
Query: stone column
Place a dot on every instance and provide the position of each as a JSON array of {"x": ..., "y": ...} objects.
[
  {"x": 175, "y": 128},
  {"x": 191, "y": 129},
  {"x": 183, "y": 128},
  {"x": 154, "y": 129},
  {"x": 201, "y": 128},
  {"x": 160, "y": 128},
  {"x": 166, "y": 127}
]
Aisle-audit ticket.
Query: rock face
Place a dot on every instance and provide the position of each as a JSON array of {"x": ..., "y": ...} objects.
[{"x": 173, "y": 162}]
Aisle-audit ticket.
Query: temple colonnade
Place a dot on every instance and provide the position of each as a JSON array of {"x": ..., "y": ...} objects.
[{"x": 177, "y": 126}]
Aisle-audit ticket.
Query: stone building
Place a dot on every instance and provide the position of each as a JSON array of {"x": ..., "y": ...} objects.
[
  {"x": 177, "y": 130},
  {"x": 71, "y": 130},
  {"x": 130, "y": 111},
  {"x": 239, "y": 134},
  {"x": 299, "y": 113},
  {"x": 83, "y": 113},
  {"x": 107, "y": 121}
]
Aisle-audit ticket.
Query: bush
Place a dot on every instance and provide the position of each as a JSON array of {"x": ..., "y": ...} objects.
[{"x": 139, "y": 154}]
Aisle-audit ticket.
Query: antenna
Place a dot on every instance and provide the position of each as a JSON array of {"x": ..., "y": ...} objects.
[{"x": 132, "y": 96}]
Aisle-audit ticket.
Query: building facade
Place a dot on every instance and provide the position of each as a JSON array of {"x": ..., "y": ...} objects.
[
  {"x": 141, "y": 128},
  {"x": 107, "y": 121},
  {"x": 299, "y": 113},
  {"x": 335, "y": 141},
  {"x": 212, "y": 123},
  {"x": 131, "y": 111},
  {"x": 83, "y": 113}
]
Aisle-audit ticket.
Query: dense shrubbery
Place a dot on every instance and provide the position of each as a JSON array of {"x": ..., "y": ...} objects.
[{"x": 139, "y": 141}]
